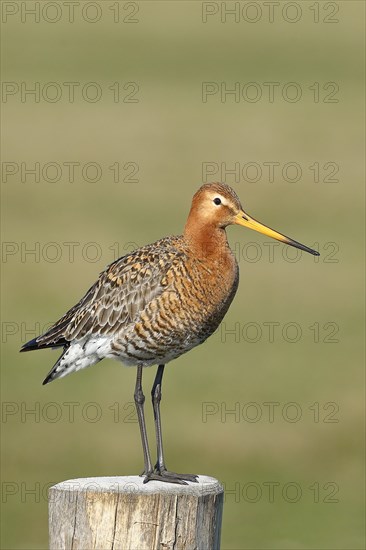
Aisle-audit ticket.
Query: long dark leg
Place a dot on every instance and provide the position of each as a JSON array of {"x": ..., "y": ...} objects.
[
  {"x": 139, "y": 402},
  {"x": 161, "y": 473},
  {"x": 156, "y": 398}
]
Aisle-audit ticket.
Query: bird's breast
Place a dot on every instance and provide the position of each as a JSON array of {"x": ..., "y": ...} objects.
[{"x": 197, "y": 294}]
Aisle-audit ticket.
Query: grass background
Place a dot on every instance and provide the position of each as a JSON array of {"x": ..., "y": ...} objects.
[{"x": 169, "y": 133}]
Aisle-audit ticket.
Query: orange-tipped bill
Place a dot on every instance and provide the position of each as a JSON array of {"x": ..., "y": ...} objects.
[{"x": 244, "y": 219}]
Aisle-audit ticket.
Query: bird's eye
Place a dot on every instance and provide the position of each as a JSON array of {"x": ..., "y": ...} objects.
[{"x": 217, "y": 201}]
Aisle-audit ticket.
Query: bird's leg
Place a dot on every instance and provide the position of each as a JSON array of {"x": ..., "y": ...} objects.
[
  {"x": 139, "y": 402},
  {"x": 161, "y": 473},
  {"x": 156, "y": 398}
]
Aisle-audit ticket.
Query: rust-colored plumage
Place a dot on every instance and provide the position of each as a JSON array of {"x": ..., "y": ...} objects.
[{"x": 151, "y": 306}]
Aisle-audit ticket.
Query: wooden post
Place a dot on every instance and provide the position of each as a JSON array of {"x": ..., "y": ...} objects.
[{"x": 122, "y": 513}]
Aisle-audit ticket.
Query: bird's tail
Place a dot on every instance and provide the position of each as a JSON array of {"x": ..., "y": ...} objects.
[
  {"x": 58, "y": 370},
  {"x": 37, "y": 344},
  {"x": 72, "y": 360}
]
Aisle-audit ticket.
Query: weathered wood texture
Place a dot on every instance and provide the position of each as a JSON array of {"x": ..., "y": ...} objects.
[{"x": 121, "y": 513}]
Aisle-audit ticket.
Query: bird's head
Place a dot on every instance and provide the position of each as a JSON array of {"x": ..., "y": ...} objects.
[{"x": 217, "y": 205}]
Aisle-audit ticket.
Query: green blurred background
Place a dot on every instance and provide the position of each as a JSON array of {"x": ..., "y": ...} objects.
[{"x": 169, "y": 132}]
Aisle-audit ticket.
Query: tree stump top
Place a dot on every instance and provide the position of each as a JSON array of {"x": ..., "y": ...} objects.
[{"x": 134, "y": 485}]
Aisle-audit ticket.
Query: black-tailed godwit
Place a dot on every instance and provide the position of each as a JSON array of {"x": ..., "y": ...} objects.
[{"x": 156, "y": 303}]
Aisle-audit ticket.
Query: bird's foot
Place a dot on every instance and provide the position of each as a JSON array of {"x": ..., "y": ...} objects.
[{"x": 161, "y": 474}]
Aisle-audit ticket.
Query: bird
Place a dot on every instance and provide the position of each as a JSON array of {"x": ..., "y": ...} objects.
[{"x": 156, "y": 303}]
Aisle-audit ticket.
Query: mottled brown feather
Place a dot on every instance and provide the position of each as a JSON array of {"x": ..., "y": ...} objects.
[{"x": 119, "y": 295}]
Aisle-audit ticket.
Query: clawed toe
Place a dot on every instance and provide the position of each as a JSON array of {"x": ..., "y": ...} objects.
[
  {"x": 185, "y": 477},
  {"x": 170, "y": 477},
  {"x": 159, "y": 477}
]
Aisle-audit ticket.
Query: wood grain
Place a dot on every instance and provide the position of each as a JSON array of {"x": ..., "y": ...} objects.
[{"x": 121, "y": 513}]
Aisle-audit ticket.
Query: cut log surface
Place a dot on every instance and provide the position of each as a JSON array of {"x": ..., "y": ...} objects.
[{"x": 123, "y": 513}]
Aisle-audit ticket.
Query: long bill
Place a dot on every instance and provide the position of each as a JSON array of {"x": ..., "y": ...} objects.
[{"x": 244, "y": 219}]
